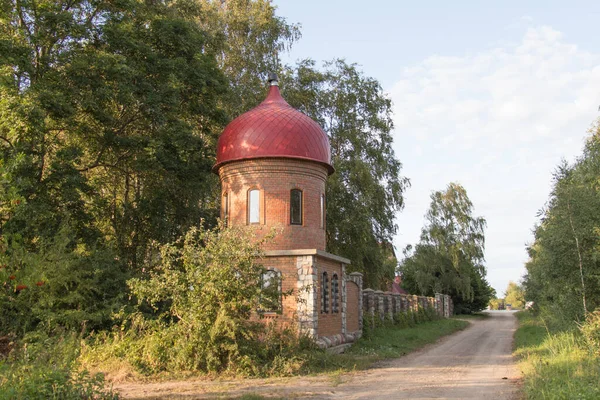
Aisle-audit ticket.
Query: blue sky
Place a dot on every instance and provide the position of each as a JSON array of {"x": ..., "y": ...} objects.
[{"x": 488, "y": 94}]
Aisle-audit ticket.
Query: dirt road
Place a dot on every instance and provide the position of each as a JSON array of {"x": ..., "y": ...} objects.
[{"x": 473, "y": 364}]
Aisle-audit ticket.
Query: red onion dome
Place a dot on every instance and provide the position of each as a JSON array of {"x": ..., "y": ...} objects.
[{"x": 273, "y": 129}]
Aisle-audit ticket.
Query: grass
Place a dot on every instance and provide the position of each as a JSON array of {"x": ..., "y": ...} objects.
[
  {"x": 555, "y": 365},
  {"x": 478, "y": 315},
  {"x": 383, "y": 343},
  {"x": 43, "y": 367}
]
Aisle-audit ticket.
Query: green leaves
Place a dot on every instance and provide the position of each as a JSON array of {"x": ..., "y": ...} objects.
[
  {"x": 366, "y": 190},
  {"x": 563, "y": 273},
  {"x": 449, "y": 257},
  {"x": 114, "y": 106},
  {"x": 208, "y": 286}
]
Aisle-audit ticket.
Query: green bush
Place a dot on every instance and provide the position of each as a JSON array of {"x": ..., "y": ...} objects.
[
  {"x": 44, "y": 367},
  {"x": 63, "y": 283},
  {"x": 590, "y": 330},
  {"x": 205, "y": 291}
]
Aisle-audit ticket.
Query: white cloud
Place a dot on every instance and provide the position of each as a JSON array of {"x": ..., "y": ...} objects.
[{"x": 498, "y": 122}]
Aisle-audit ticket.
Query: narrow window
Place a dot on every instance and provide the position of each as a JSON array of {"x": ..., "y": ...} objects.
[
  {"x": 270, "y": 282},
  {"x": 296, "y": 207},
  {"x": 322, "y": 211},
  {"x": 253, "y": 206},
  {"x": 335, "y": 290},
  {"x": 226, "y": 208},
  {"x": 324, "y": 293}
]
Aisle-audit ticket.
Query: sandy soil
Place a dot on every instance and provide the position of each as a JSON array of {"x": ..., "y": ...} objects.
[{"x": 472, "y": 364}]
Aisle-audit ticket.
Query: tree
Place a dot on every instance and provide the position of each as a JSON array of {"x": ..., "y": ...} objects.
[
  {"x": 563, "y": 273},
  {"x": 514, "y": 295},
  {"x": 58, "y": 287},
  {"x": 366, "y": 190},
  {"x": 110, "y": 108},
  {"x": 450, "y": 254},
  {"x": 107, "y": 128},
  {"x": 249, "y": 39}
]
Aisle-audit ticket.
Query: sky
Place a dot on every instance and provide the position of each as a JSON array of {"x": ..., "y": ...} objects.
[{"x": 489, "y": 94}]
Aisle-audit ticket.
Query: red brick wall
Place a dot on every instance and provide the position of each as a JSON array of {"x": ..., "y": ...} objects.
[
  {"x": 352, "y": 298},
  {"x": 275, "y": 178},
  {"x": 329, "y": 323}
]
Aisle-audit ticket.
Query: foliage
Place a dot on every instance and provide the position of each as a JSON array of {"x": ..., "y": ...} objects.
[
  {"x": 205, "y": 290},
  {"x": 65, "y": 284},
  {"x": 496, "y": 304},
  {"x": 590, "y": 330},
  {"x": 555, "y": 364},
  {"x": 251, "y": 38},
  {"x": 108, "y": 119},
  {"x": 402, "y": 319},
  {"x": 366, "y": 190},
  {"x": 44, "y": 368},
  {"x": 449, "y": 256},
  {"x": 514, "y": 295},
  {"x": 563, "y": 270}
]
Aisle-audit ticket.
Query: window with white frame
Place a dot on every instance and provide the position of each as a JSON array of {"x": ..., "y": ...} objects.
[
  {"x": 322, "y": 211},
  {"x": 253, "y": 206}
]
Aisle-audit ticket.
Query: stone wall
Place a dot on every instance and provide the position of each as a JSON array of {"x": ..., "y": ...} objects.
[{"x": 387, "y": 305}]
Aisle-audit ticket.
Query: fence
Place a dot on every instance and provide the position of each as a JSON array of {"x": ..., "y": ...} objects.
[{"x": 382, "y": 305}]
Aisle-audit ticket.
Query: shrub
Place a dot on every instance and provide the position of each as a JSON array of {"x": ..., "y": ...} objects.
[
  {"x": 44, "y": 367},
  {"x": 590, "y": 330},
  {"x": 205, "y": 291},
  {"x": 61, "y": 284}
]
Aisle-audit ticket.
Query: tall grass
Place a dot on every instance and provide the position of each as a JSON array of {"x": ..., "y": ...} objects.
[
  {"x": 43, "y": 367},
  {"x": 555, "y": 364}
]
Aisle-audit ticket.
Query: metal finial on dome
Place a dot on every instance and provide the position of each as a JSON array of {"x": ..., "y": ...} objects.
[{"x": 273, "y": 79}]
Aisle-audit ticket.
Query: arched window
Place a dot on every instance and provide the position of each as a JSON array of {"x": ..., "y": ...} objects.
[
  {"x": 270, "y": 284},
  {"x": 335, "y": 291},
  {"x": 322, "y": 211},
  {"x": 226, "y": 208},
  {"x": 296, "y": 207},
  {"x": 253, "y": 206},
  {"x": 324, "y": 293}
]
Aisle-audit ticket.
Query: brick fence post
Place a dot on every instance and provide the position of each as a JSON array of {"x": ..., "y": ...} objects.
[{"x": 357, "y": 278}]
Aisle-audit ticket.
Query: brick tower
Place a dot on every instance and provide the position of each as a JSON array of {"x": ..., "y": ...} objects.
[{"x": 273, "y": 162}]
